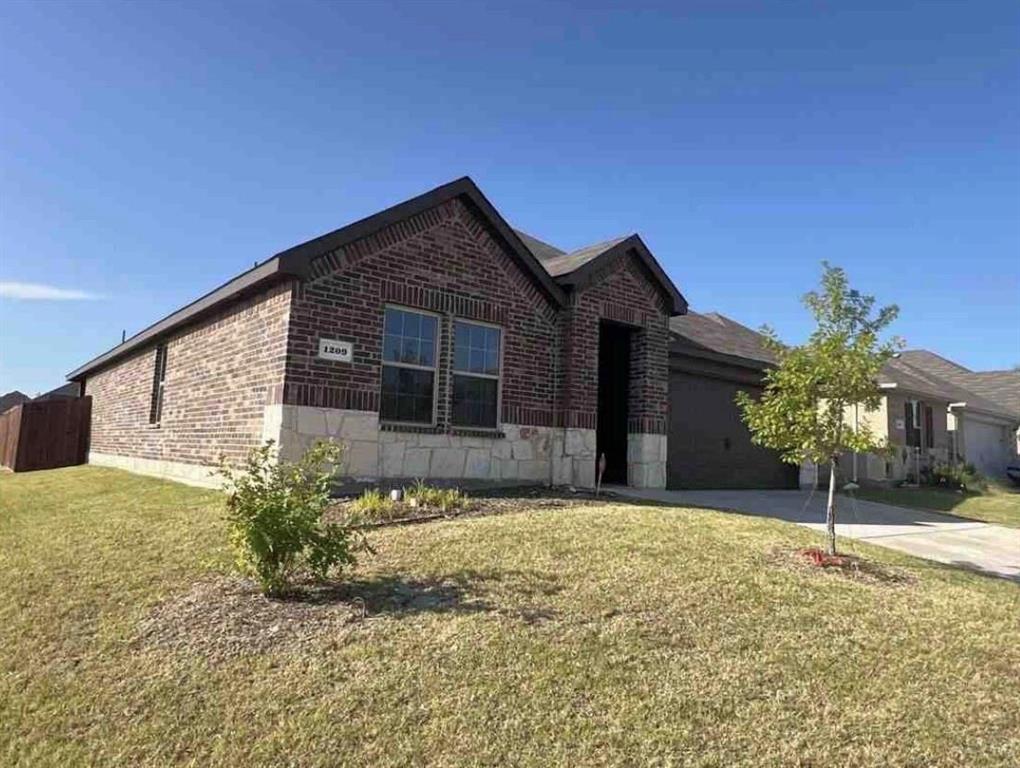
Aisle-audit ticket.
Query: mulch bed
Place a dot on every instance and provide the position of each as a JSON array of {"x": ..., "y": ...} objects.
[
  {"x": 226, "y": 617},
  {"x": 488, "y": 502},
  {"x": 852, "y": 567}
]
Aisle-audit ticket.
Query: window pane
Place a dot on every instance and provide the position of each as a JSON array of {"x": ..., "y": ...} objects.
[
  {"x": 394, "y": 321},
  {"x": 476, "y": 348},
  {"x": 410, "y": 338},
  {"x": 391, "y": 348},
  {"x": 427, "y": 352},
  {"x": 406, "y": 395},
  {"x": 474, "y": 401},
  {"x": 477, "y": 361},
  {"x": 410, "y": 353},
  {"x": 428, "y": 327},
  {"x": 412, "y": 324}
]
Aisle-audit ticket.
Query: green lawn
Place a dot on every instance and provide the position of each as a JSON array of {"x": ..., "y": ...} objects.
[
  {"x": 999, "y": 505},
  {"x": 629, "y": 635}
]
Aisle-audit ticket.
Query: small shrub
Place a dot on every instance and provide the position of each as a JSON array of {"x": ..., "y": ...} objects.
[
  {"x": 274, "y": 513},
  {"x": 957, "y": 477}
]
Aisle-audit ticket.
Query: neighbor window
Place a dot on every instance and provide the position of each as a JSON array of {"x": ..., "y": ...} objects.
[
  {"x": 158, "y": 378},
  {"x": 409, "y": 367},
  {"x": 475, "y": 374},
  {"x": 929, "y": 427}
]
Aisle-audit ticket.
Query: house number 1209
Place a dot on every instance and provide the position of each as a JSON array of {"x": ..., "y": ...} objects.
[{"x": 334, "y": 349}]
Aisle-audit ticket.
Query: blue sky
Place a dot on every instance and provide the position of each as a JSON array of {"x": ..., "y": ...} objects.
[{"x": 150, "y": 151}]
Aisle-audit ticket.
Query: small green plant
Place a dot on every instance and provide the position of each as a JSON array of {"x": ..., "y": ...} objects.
[
  {"x": 274, "y": 513},
  {"x": 427, "y": 497},
  {"x": 373, "y": 504},
  {"x": 957, "y": 476}
]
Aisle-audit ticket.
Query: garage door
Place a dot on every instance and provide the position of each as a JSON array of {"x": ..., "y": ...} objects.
[
  {"x": 709, "y": 446},
  {"x": 986, "y": 446}
]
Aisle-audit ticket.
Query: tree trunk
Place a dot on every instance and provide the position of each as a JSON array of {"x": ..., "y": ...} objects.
[{"x": 830, "y": 509}]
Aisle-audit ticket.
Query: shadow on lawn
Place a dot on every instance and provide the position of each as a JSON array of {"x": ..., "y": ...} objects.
[{"x": 467, "y": 591}]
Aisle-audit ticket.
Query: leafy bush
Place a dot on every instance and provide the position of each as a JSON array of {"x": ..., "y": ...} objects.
[
  {"x": 956, "y": 476},
  {"x": 274, "y": 513}
]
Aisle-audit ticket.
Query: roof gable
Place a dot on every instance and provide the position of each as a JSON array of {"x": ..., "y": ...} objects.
[
  {"x": 295, "y": 262},
  {"x": 579, "y": 269}
]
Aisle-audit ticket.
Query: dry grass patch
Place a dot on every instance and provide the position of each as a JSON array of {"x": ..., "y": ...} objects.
[{"x": 608, "y": 635}]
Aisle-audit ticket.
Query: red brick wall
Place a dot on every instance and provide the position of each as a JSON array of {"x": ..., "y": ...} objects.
[
  {"x": 623, "y": 292},
  {"x": 220, "y": 374},
  {"x": 443, "y": 260}
]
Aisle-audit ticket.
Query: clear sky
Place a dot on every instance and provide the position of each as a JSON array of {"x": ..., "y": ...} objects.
[{"x": 150, "y": 151}]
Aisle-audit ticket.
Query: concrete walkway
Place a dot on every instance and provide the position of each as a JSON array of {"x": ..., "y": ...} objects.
[{"x": 991, "y": 549}]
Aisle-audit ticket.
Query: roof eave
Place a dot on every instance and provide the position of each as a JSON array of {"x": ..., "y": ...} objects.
[
  {"x": 296, "y": 262},
  {"x": 260, "y": 275}
]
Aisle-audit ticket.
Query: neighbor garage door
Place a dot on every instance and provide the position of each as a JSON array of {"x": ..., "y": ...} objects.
[{"x": 709, "y": 446}]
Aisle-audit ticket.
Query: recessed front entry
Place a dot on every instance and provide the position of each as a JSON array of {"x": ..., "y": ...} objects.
[{"x": 614, "y": 392}]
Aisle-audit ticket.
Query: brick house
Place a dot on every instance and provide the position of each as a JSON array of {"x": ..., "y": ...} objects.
[{"x": 431, "y": 339}]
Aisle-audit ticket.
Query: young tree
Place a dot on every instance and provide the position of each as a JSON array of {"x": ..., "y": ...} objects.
[{"x": 803, "y": 411}]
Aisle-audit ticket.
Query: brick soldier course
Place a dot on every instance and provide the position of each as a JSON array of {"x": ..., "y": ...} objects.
[{"x": 243, "y": 364}]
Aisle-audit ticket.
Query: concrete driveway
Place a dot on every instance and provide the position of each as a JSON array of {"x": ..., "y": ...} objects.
[{"x": 991, "y": 549}]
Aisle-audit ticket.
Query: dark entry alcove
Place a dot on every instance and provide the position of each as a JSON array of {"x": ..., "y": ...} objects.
[{"x": 614, "y": 388}]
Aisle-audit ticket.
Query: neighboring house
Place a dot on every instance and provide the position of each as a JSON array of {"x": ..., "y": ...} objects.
[
  {"x": 711, "y": 359},
  {"x": 12, "y": 399},
  {"x": 984, "y": 420},
  {"x": 928, "y": 419},
  {"x": 431, "y": 339},
  {"x": 67, "y": 391}
]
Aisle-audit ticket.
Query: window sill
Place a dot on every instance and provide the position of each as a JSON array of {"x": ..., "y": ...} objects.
[{"x": 439, "y": 429}]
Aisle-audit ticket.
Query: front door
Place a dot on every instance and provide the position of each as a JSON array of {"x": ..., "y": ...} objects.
[{"x": 614, "y": 392}]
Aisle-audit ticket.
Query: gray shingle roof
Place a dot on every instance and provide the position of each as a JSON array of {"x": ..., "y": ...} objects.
[
  {"x": 558, "y": 262},
  {"x": 996, "y": 391},
  {"x": 11, "y": 399},
  {"x": 540, "y": 249},
  {"x": 568, "y": 262},
  {"x": 717, "y": 333}
]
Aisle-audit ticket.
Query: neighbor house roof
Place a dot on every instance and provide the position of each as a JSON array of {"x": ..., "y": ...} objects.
[
  {"x": 999, "y": 387},
  {"x": 908, "y": 373},
  {"x": 717, "y": 334},
  {"x": 71, "y": 389},
  {"x": 295, "y": 263},
  {"x": 11, "y": 399}
]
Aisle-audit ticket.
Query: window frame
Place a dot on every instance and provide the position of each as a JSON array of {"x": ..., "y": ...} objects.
[
  {"x": 158, "y": 385},
  {"x": 413, "y": 366},
  {"x": 498, "y": 378}
]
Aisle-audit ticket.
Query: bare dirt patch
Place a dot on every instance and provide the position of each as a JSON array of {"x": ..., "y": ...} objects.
[
  {"x": 223, "y": 617},
  {"x": 851, "y": 567}
]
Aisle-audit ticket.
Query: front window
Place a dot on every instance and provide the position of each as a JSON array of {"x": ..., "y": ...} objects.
[
  {"x": 476, "y": 352},
  {"x": 409, "y": 367}
]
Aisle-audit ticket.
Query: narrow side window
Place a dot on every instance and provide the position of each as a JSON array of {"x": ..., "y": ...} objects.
[{"x": 158, "y": 377}]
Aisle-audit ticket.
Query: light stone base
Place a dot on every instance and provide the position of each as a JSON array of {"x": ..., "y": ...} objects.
[
  {"x": 524, "y": 455},
  {"x": 190, "y": 474},
  {"x": 646, "y": 460}
]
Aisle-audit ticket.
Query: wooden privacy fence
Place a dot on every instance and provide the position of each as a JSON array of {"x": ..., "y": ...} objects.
[{"x": 45, "y": 434}]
